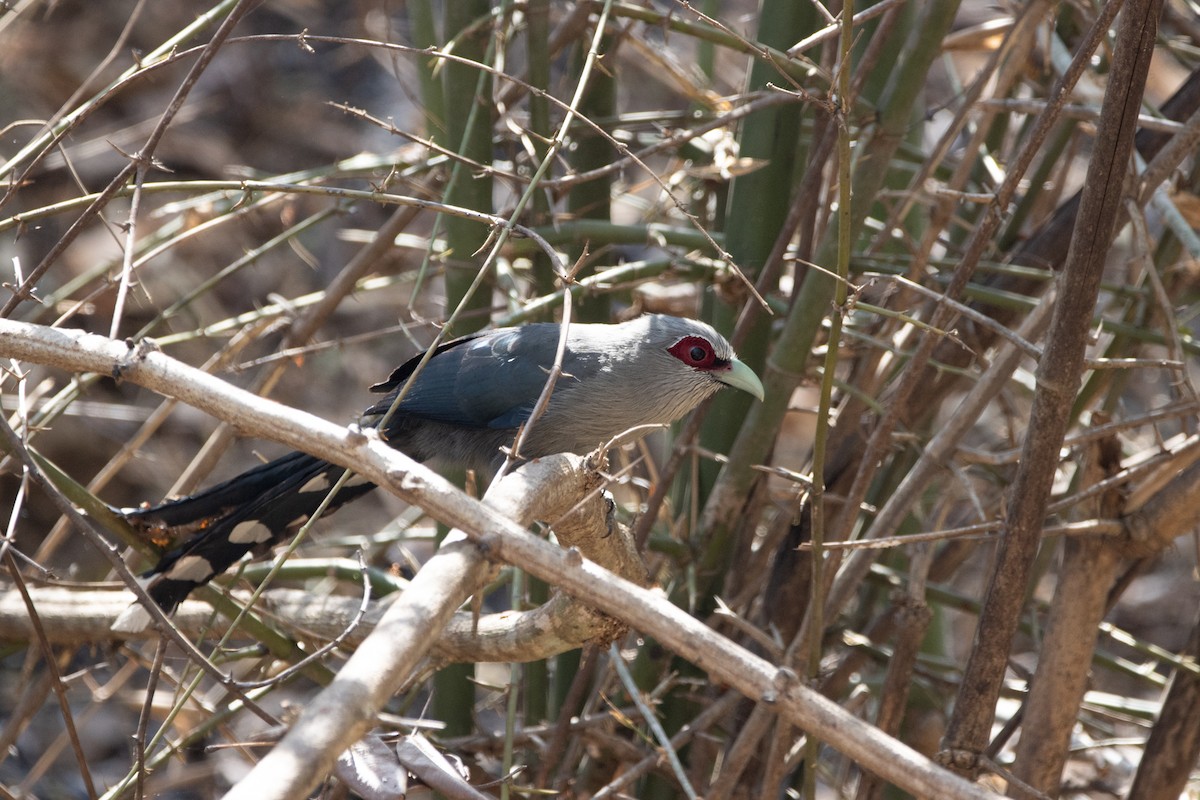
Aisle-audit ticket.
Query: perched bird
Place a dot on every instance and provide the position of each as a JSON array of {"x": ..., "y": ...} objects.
[{"x": 465, "y": 404}]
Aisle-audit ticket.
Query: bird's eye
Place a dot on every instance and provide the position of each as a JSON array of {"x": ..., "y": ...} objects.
[{"x": 695, "y": 352}]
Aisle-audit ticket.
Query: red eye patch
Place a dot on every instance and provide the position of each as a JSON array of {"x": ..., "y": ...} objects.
[{"x": 696, "y": 352}]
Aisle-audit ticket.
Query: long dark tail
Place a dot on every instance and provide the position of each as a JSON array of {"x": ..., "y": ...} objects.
[{"x": 247, "y": 514}]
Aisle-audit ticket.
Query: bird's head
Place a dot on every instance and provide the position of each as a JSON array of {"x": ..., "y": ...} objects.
[
  {"x": 713, "y": 356},
  {"x": 652, "y": 370},
  {"x": 678, "y": 363},
  {"x": 700, "y": 353}
]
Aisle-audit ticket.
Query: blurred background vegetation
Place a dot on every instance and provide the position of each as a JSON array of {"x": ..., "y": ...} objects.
[{"x": 683, "y": 158}]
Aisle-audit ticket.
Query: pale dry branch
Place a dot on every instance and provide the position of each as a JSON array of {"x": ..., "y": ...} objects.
[{"x": 499, "y": 537}]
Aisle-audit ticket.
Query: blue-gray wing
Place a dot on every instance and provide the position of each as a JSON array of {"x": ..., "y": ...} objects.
[{"x": 490, "y": 380}]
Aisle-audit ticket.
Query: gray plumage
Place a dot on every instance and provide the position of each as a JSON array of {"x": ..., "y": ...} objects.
[
  {"x": 485, "y": 387},
  {"x": 466, "y": 404}
]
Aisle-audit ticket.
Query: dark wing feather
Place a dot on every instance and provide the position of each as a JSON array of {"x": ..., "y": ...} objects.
[
  {"x": 489, "y": 380},
  {"x": 221, "y": 498},
  {"x": 401, "y": 373},
  {"x": 279, "y": 497}
]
